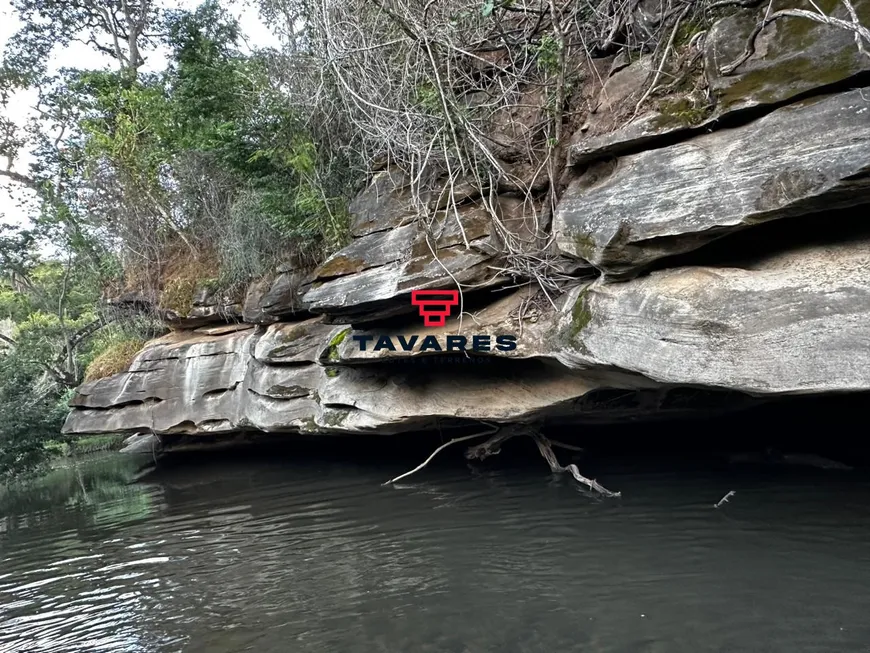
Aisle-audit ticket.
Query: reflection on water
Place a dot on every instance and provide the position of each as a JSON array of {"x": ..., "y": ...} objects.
[{"x": 283, "y": 555}]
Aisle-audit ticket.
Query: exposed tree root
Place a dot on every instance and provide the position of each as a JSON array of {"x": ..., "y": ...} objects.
[
  {"x": 546, "y": 450},
  {"x": 862, "y": 34},
  {"x": 670, "y": 44}
]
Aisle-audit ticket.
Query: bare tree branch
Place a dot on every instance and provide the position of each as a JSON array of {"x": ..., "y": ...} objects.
[
  {"x": 547, "y": 452},
  {"x": 24, "y": 180},
  {"x": 438, "y": 450}
]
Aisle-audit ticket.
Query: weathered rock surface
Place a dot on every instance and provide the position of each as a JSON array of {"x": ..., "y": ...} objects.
[
  {"x": 521, "y": 314},
  {"x": 274, "y": 298},
  {"x": 373, "y": 276},
  {"x": 780, "y": 307},
  {"x": 209, "y": 307},
  {"x": 805, "y": 157},
  {"x": 797, "y": 322},
  {"x": 793, "y": 57},
  {"x": 284, "y": 379}
]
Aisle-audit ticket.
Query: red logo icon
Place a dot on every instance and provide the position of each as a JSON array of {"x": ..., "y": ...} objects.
[{"x": 434, "y": 305}]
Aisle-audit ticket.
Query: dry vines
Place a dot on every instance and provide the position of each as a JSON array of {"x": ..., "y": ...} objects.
[
  {"x": 459, "y": 93},
  {"x": 471, "y": 99},
  {"x": 862, "y": 34}
]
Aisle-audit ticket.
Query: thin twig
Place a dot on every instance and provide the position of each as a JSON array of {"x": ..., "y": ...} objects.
[
  {"x": 724, "y": 499},
  {"x": 731, "y": 3},
  {"x": 664, "y": 59},
  {"x": 562, "y": 445},
  {"x": 435, "y": 453}
]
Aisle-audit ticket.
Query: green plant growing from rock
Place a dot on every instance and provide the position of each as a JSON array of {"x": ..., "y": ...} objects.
[{"x": 333, "y": 354}]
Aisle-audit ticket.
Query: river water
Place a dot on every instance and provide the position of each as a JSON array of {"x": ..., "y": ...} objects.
[{"x": 291, "y": 554}]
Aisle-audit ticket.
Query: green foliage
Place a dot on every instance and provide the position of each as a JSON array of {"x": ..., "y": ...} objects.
[
  {"x": 95, "y": 443},
  {"x": 215, "y": 114},
  {"x": 428, "y": 98},
  {"x": 177, "y": 295},
  {"x": 687, "y": 30},
  {"x": 682, "y": 111},
  {"x": 134, "y": 329},
  {"x": 45, "y": 304},
  {"x": 27, "y": 419},
  {"x": 332, "y": 352},
  {"x": 14, "y": 306},
  {"x": 138, "y": 174},
  {"x": 116, "y": 111},
  {"x": 547, "y": 54}
]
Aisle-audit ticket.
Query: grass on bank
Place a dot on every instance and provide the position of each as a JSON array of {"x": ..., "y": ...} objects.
[{"x": 116, "y": 358}]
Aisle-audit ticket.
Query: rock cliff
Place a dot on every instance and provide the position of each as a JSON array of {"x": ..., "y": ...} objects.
[{"x": 704, "y": 261}]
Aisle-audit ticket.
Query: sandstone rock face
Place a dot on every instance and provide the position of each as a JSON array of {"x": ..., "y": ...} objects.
[
  {"x": 273, "y": 298},
  {"x": 510, "y": 313},
  {"x": 793, "y": 56},
  {"x": 709, "y": 258},
  {"x": 805, "y": 157},
  {"x": 210, "y": 307},
  {"x": 799, "y": 322},
  {"x": 289, "y": 378},
  {"x": 373, "y": 276}
]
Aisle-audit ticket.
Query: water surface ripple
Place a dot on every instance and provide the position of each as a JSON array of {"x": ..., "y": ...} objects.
[{"x": 306, "y": 556}]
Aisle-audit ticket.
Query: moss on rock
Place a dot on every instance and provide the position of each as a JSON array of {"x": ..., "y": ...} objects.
[
  {"x": 681, "y": 112},
  {"x": 580, "y": 313}
]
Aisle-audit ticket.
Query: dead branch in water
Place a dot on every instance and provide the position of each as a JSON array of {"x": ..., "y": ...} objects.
[
  {"x": 435, "y": 453},
  {"x": 546, "y": 449},
  {"x": 724, "y": 499},
  {"x": 562, "y": 445},
  {"x": 492, "y": 447}
]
